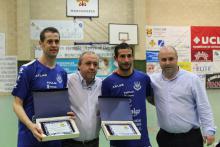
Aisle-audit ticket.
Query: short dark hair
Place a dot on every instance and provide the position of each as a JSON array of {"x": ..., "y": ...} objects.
[
  {"x": 122, "y": 46},
  {"x": 48, "y": 29}
]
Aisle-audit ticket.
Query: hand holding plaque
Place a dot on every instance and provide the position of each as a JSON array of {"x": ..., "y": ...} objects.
[
  {"x": 57, "y": 128},
  {"x": 51, "y": 107},
  {"x": 116, "y": 118}
]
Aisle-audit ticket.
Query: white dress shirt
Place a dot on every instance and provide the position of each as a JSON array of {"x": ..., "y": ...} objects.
[
  {"x": 182, "y": 103},
  {"x": 84, "y": 103}
]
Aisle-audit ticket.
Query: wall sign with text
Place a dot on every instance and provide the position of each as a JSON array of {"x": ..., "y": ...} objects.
[
  {"x": 213, "y": 81},
  {"x": 82, "y": 8}
]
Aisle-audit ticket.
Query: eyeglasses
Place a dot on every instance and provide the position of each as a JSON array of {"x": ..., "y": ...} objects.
[{"x": 167, "y": 59}]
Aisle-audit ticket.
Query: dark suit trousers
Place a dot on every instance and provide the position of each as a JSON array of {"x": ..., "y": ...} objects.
[
  {"x": 73, "y": 143},
  {"x": 193, "y": 138}
]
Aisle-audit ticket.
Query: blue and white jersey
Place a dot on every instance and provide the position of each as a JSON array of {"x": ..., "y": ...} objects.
[
  {"x": 137, "y": 87},
  {"x": 35, "y": 76}
]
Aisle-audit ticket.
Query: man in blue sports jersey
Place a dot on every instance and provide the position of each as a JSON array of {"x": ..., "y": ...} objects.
[
  {"x": 39, "y": 74},
  {"x": 126, "y": 81}
]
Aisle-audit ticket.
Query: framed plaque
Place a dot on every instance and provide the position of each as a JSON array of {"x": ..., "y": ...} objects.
[
  {"x": 120, "y": 130},
  {"x": 117, "y": 122},
  {"x": 57, "y": 128},
  {"x": 82, "y": 8}
]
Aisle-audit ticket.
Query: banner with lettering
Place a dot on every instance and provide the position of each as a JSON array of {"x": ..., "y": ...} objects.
[
  {"x": 198, "y": 48},
  {"x": 69, "y": 54},
  {"x": 213, "y": 81},
  {"x": 205, "y": 38},
  {"x": 8, "y": 73}
]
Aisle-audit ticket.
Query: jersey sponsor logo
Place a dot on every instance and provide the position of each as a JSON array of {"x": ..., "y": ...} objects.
[
  {"x": 51, "y": 84},
  {"x": 59, "y": 78},
  {"x": 135, "y": 112},
  {"x": 129, "y": 93},
  {"x": 40, "y": 75},
  {"x": 137, "y": 85},
  {"x": 118, "y": 85}
]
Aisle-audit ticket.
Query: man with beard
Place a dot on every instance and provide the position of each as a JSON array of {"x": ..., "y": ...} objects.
[
  {"x": 84, "y": 89},
  {"x": 182, "y": 105},
  {"x": 126, "y": 81}
]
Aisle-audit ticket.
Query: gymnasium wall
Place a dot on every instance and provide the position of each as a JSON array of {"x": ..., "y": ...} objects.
[{"x": 15, "y": 16}]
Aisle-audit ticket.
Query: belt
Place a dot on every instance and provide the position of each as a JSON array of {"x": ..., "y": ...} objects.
[
  {"x": 190, "y": 132},
  {"x": 85, "y": 142}
]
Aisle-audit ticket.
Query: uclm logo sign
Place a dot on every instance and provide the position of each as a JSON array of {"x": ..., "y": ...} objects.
[{"x": 207, "y": 40}]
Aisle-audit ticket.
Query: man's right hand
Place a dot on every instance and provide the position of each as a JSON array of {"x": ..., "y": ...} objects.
[
  {"x": 19, "y": 110},
  {"x": 71, "y": 114},
  {"x": 36, "y": 131}
]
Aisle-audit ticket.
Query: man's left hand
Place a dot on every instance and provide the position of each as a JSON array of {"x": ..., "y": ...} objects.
[{"x": 209, "y": 140}]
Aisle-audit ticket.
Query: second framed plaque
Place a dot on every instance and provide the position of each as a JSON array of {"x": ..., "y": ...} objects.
[{"x": 120, "y": 130}]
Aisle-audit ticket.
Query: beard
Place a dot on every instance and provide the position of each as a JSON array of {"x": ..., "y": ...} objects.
[
  {"x": 169, "y": 72},
  {"x": 125, "y": 67},
  {"x": 51, "y": 55}
]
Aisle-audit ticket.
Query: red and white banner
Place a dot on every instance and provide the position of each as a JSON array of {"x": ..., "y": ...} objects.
[
  {"x": 205, "y": 38},
  {"x": 201, "y": 55},
  {"x": 213, "y": 80},
  {"x": 198, "y": 47}
]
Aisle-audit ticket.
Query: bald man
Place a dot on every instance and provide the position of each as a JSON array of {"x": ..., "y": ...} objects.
[{"x": 182, "y": 105}]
